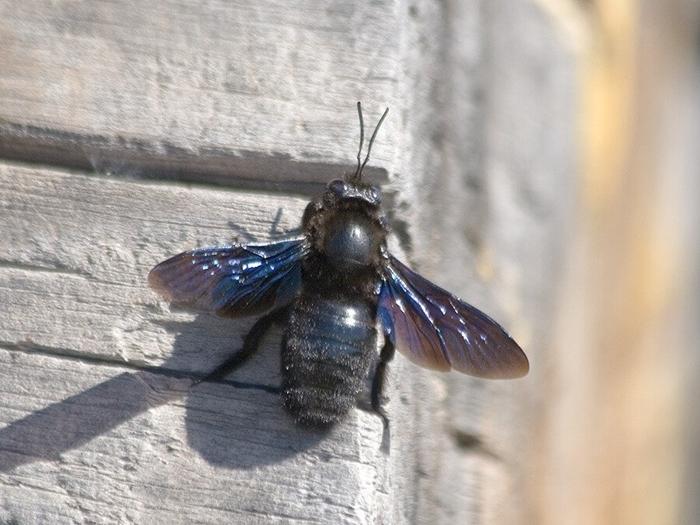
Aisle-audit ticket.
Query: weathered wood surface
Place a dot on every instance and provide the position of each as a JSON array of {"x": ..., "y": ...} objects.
[
  {"x": 79, "y": 249},
  {"x": 258, "y": 97},
  {"x": 201, "y": 90},
  {"x": 79, "y": 327}
]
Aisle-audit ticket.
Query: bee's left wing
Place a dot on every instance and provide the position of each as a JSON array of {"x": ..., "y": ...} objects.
[
  {"x": 435, "y": 329},
  {"x": 233, "y": 281}
]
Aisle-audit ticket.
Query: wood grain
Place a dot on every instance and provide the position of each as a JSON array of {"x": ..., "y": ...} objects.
[{"x": 79, "y": 247}]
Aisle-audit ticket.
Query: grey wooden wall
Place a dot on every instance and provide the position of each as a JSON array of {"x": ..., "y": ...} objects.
[{"x": 130, "y": 131}]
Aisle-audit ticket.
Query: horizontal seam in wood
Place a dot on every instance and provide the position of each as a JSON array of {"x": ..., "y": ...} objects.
[
  {"x": 162, "y": 161},
  {"x": 71, "y": 355}
]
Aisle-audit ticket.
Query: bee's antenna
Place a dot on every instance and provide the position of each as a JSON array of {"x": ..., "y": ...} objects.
[
  {"x": 362, "y": 141},
  {"x": 371, "y": 141}
]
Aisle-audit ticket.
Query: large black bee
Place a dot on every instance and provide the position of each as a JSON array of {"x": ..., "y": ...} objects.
[{"x": 335, "y": 287}]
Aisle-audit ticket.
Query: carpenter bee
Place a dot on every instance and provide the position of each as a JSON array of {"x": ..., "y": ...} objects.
[{"x": 334, "y": 288}]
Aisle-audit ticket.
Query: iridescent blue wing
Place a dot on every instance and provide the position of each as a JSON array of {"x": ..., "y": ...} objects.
[
  {"x": 436, "y": 330},
  {"x": 233, "y": 281}
]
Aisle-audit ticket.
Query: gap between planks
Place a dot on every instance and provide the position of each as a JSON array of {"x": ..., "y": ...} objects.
[{"x": 144, "y": 161}]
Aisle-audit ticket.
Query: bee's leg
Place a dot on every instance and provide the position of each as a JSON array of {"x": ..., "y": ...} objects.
[
  {"x": 386, "y": 355},
  {"x": 250, "y": 345}
]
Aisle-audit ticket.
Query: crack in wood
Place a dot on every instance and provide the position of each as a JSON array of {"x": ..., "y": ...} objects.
[
  {"x": 469, "y": 442},
  {"x": 28, "y": 347},
  {"x": 55, "y": 268}
]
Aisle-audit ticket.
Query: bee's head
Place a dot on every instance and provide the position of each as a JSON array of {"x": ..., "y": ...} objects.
[{"x": 341, "y": 192}]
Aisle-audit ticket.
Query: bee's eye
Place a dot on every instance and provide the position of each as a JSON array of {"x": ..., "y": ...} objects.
[{"x": 337, "y": 186}]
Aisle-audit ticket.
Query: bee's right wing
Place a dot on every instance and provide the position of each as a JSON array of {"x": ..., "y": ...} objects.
[
  {"x": 435, "y": 329},
  {"x": 233, "y": 281}
]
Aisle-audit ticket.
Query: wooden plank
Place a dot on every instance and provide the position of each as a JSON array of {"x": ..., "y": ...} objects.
[
  {"x": 78, "y": 249},
  {"x": 70, "y": 453},
  {"x": 256, "y": 91},
  {"x": 76, "y": 310}
]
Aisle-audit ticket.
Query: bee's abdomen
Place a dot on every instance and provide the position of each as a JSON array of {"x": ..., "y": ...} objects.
[{"x": 329, "y": 345}]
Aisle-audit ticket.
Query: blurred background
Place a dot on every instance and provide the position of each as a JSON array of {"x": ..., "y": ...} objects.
[
  {"x": 622, "y": 439},
  {"x": 540, "y": 159}
]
